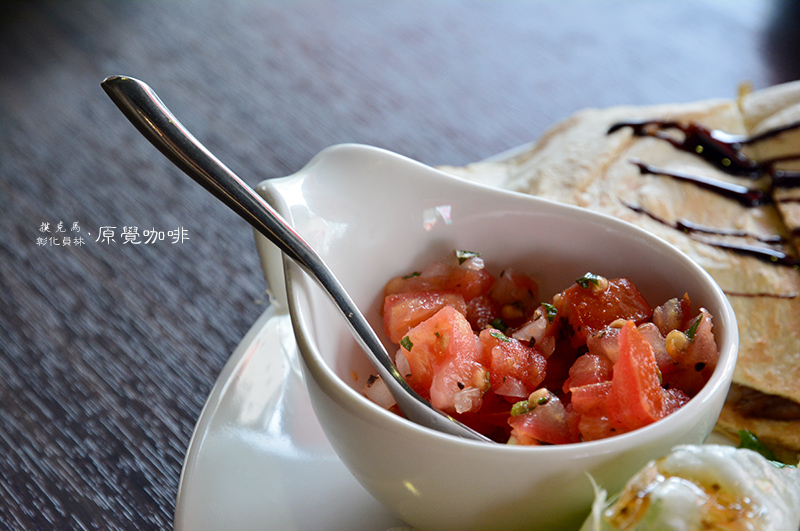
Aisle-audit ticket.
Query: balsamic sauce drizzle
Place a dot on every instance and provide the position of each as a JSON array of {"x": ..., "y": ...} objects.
[
  {"x": 689, "y": 227},
  {"x": 723, "y": 151},
  {"x": 761, "y": 294},
  {"x": 749, "y": 197},
  {"x": 723, "y": 154},
  {"x": 720, "y": 149}
]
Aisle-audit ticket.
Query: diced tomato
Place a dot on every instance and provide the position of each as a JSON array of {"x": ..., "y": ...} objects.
[
  {"x": 590, "y": 402},
  {"x": 445, "y": 362},
  {"x": 673, "y": 400},
  {"x": 591, "y": 399},
  {"x": 702, "y": 353},
  {"x": 516, "y": 369},
  {"x": 469, "y": 283},
  {"x": 693, "y": 362},
  {"x": 588, "y": 369},
  {"x": 658, "y": 342},
  {"x": 595, "y": 427},
  {"x": 404, "y": 311},
  {"x": 635, "y": 399},
  {"x": 545, "y": 423},
  {"x": 588, "y": 310},
  {"x": 573, "y": 423},
  {"x": 450, "y": 278},
  {"x": 605, "y": 343},
  {"x": 482, "y": 311}
]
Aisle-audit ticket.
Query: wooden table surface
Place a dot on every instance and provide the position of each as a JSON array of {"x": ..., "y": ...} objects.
[{"x": 108, "y": 349}]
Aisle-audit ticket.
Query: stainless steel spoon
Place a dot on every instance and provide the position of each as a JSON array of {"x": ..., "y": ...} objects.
[{"x": 144, "y": 109}]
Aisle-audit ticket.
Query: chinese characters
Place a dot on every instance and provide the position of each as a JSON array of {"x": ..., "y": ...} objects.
[
  {"x": 57, "y": 235},
  {"x": 62, "y": 235}
]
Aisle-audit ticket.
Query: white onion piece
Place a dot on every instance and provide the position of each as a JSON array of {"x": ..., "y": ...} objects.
[
  {"x": 474, "y": 263},
  {"x": 436, "y": 269},
  {"x": 402, "y": 365},
  {"x": 533, "y": 329},
  {"x": 512, "y": 387},
  {"x": 467, "y": 399},
  {"x": 377, "y": 391}
]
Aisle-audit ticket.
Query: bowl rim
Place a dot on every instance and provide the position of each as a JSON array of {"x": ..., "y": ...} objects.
[{"x": 333, "y": 384}]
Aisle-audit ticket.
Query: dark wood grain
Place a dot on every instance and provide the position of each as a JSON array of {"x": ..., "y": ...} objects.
[{"x": 108, "y": 350}]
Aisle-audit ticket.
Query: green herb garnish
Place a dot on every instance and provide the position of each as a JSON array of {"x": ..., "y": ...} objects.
[
  {"x": 406, "y": 343},
  {"x": 463, "y": 256},
  {"x": 499, "y": 335},
  {"x": 412, "y": 275},
  {"x": 690, "y": 333},
  {"x": 550, "y": 311},
  {"x": 588, "y": 278}
]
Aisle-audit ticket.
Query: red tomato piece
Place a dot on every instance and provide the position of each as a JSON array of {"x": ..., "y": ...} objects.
[
  {"x": 516, "y": 369},
  {"x": 450, "y": 278},
  {"x": 546, "y": 422},
  {"x": 404, "y": 311},
  {"x": 445, "y": 362},
  {"x": 604, "y": 343},
  {"x": 469, "y": 283},
  {"x": 695, "y": 361},
  {"x": 673, "y": 400},
  {"x": 596, "y": 427},
  {"x": 636, "y": 398},
  {"x": 588, "y": 310},
  {"x": 588, "y": 369},
  {"x": 482, "y": 311},
  {"x": 591, "y": 399}
]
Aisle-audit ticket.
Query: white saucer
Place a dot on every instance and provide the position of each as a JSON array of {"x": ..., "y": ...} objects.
[{"x": 258, "y": 458}]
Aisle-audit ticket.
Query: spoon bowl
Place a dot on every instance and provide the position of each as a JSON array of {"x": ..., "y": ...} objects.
[{"x": 374, "y": 215}]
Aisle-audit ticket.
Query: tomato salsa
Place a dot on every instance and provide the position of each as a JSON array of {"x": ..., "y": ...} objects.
[{"x": 593, "y": 361}]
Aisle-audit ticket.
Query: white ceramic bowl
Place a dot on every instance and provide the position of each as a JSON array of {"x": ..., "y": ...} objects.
[{"x": 372, "y": 215}]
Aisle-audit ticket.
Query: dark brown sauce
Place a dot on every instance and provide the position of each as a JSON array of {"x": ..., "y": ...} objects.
[
  {"x": 748, "y": 197},
  {"x": 765, "y": 254},
  {"x": 724, "y": 154},
  {"x": 720, "y": 149},
  {"x": 724, "y": 151},
  {"x": 761, "y": 295},
  {"x": 687, "y": 226}
]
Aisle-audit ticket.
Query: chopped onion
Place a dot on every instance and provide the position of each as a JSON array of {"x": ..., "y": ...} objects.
[
  {"x": 377, "y": 391},
  {"x": 533, "y": 329},
  {"x": 402, "y": 365},
  {"x": 512, "y": 387},
  {"x": 436, "y": 269},
  {"x": 475, "y": 263},
  {"x": 467, "y": 399}
]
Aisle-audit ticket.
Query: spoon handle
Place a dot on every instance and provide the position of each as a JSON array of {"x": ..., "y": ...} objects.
[{"x": 142, "y": 106}]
